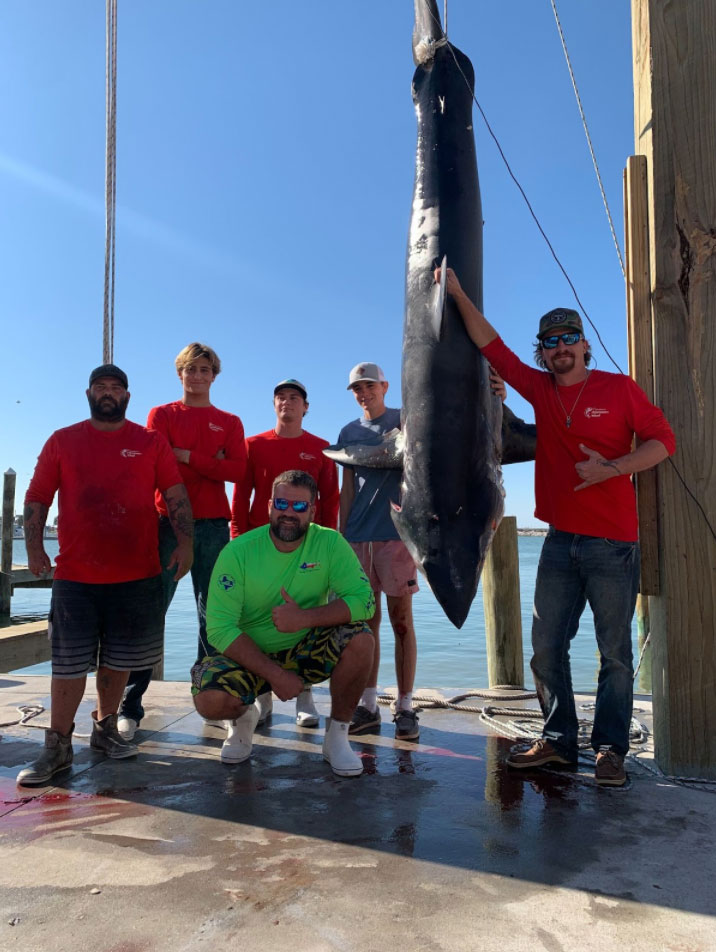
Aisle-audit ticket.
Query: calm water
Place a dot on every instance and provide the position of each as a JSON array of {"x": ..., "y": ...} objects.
[{"x": 448, "y": 659}]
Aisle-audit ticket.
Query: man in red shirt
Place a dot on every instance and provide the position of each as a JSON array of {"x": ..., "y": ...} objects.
[
  {"x": 107, "y": 591},
  {"x": 208, "y": 444},
  {"x": 286, "y": 447},
  {"x": 586, "y": 422}
]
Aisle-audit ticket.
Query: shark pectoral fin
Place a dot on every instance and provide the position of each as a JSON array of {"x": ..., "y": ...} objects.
[
  {"x": 519, "y": 439},
  {"x": 440, "y": 301}
]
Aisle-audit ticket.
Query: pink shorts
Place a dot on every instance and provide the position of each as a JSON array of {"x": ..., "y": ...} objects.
[{"x": 388, "y": 565}]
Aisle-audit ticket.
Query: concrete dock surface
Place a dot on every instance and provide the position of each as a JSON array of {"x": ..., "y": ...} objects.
[{"x": 437, "y": 846}]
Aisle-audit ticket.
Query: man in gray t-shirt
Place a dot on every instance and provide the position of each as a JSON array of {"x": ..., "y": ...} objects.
[{"x": 366, "y": 495}]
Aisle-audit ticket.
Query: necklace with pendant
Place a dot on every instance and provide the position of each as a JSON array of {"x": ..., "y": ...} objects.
[{"x": 568, "y": 416}]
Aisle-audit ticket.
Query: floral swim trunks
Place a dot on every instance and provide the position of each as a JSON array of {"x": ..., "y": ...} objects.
[{"x": 313, "y": 658}]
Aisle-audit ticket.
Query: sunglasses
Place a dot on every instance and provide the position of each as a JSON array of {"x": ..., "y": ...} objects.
[
  {"x": 549, "y": 343},
  {"x": 298, "y": 505}
]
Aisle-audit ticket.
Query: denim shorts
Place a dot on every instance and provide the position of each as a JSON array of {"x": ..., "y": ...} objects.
[
  {"x": 313, "y": 658},
  {"x": 118, "y": 626}
]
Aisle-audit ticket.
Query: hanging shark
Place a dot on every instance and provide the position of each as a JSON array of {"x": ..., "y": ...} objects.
[
  {"x": 452, "y": 495},
  {"x": 454, "y": 431}
]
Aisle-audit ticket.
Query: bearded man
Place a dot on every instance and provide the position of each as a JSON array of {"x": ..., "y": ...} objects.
[
  {"x": 273, "y": 627},
  {"x": 107, "y": 609}
]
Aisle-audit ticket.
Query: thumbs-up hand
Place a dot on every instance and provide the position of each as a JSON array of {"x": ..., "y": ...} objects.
[{"x": 288, "y": 617}]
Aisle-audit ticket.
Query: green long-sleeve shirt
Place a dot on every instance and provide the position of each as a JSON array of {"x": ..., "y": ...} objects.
[{"x": 250, "y": 572}]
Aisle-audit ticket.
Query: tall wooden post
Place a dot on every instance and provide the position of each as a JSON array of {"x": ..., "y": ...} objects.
[
  {"x": 675, "y": 129},
  {"x": 8, "y": 526},
  {"x": 503, "y": 615}
]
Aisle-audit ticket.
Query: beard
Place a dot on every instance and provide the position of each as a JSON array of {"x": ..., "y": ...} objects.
[
  {"x": 562, "y": 364},
  {"x": 287, "y": 529},
  {"x": 107, "y": 409}
]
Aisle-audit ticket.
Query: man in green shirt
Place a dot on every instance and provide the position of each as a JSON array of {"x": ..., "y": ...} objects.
[{"x": 273, "y": 627}]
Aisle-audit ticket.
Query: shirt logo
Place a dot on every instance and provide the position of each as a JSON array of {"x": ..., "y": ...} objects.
[
  {"x": 306, "y": 456},
  {"x": 216, "y": 427},
  {"x": 130, "y": 454},
  {"x": 227, "y": 582},
  {"x": 309, "y": 566},
  {"x": 593, "y": 412}
]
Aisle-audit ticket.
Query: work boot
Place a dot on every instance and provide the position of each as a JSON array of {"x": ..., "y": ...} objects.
[
  {"x": 540, "y": 754},
  {"x": 609, "y": 769},
  {"x": 106, "y": 738},
  {"x": 238, "y": 744},
  {"x": 56, "y": 756},
  {"x": 306, "y": 713},
  {"x": 338, "y": 752},
  {"x": 264, "y": 702}
]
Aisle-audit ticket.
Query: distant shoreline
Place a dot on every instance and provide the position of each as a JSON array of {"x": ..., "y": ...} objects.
[{"x": 531, "y": 532}]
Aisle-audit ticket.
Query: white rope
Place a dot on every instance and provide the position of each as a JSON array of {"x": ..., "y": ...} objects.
[
  {"x": 589, "y": 138},
  {"x": 110, "y": 182},
  {"x": 445, "y": 17}
]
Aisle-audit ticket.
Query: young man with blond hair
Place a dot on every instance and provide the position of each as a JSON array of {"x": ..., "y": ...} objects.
[{"x": 208, "y": 444}]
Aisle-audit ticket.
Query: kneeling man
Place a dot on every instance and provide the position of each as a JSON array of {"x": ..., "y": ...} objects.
[{"x": 273, "y": 628}]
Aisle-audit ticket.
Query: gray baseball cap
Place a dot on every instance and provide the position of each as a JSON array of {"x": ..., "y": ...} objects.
[{"x": 365, "y": 372}]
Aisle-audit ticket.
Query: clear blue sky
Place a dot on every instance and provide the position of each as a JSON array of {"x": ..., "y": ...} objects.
[{"x": 264, "y": 181}]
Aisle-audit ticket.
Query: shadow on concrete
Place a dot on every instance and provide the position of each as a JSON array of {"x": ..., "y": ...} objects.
[{"x": 448, "y": 800}]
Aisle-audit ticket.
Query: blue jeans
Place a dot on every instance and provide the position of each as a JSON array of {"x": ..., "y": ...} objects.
[
  {"x": 210, "y": 537},
  {"x": 574, "y": 570}
]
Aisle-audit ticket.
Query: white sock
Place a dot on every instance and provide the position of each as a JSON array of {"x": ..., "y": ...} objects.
[
  {"x": 405, "y": 702},
  {"x": 369, "y": 699}
]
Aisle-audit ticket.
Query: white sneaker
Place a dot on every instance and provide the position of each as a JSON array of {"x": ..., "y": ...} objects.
[
  {"x": 210, "y": 723},
  {"x": 338, "y": 752},
  {"x": 127, "y": 726},
  {"x": 237, "y": 746},
  {"x": 306, "y": 713},
  {"x": 264, "y": 702}
]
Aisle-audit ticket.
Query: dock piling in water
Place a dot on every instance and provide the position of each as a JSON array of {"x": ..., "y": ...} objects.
[{"x": 503, "y": 615}]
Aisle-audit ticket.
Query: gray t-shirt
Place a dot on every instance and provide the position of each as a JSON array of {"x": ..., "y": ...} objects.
[{"x": 369, "y": 519}]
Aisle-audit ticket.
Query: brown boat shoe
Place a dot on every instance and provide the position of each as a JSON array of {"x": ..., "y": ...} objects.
[
  {"x": 540, "y": 754},
  {"x": 609, "y": 769}
]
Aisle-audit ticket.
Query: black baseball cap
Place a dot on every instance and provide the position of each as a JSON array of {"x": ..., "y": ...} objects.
[
  {"x": 109, "y": 370},
  {"x": 559, "y": 317}
]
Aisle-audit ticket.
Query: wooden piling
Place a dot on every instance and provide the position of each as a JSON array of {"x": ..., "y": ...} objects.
[
  {"x": 503, "y": 615},
  {"x": 675, "y": 129},
  {"x": 8, "y": 526},
  {"x": 641, "y": 353}
]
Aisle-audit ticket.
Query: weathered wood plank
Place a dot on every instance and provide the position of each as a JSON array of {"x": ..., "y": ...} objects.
[
  {"x": 675, "y": 128},
  {"x": 23, "y": 645}
]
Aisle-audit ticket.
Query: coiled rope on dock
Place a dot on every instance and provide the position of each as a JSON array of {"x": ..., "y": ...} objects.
[
  {"x": 26, "y": 712},
  {"x": 425, "y": 700}
]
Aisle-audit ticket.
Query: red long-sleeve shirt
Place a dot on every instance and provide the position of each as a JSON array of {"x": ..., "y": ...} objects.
[
  {"x": 608, "y": 412},
  {"x": 205, "y": 432},
  {"x": 268, "y": 455},
  {"x": 107, "y": 523}
]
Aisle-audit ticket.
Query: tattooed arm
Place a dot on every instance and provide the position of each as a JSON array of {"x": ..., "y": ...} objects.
[
  {"x": 35, "y": 517},
  {"x": 179, "y": 510}
]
